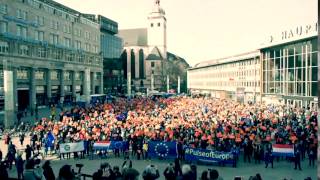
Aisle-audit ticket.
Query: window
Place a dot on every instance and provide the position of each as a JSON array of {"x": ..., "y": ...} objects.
[
  {"x": 95, "y": 49},
  {"x": 22, "y": 74},
  {"x": 67, "y": 42},
  {"x": 152, "y": 64},
  {"x": 21, "y": 31},
  {"x": 151, "y": 24},
  {"x": 70, "y": 56},
  {"x": 23, "y": 50},
  {"x": 42, "y": 52},
  {"x": 21, "y": 14},
  {"x": 96, "y": 37},
  {"x": 54, "y": 75},
  {"x": 40, "y": 20},
  {"x": 77, "y": 32},
  {"x": 3, "y": 27},
  {"x": 54, "y": 38},
  {"x": 39, "y": 35},
  {"x": 39, "y": 75},
  {"x": 4, "y": 47},
  {"x": 87, "y": 35},
  {"x": 78, "y": 45},
  {"x": 55, "y": 25},
  {"x": 88, "y": 47},
  {"x": 67, "y": 29},
  {"x": 158, "y": 24},
  {"x": 3, "y": 8}
]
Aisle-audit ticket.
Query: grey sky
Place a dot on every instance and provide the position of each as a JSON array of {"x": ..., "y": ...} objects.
[{"x": 200, "y": 30}]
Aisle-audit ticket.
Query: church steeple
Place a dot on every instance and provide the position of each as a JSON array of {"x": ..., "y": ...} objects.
[
  {"x": 157, "y": 29},
  {"x": 157, "y": 8}
]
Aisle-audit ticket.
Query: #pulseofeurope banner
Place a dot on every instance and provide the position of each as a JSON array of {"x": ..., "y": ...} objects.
[
  {"x": 193, "y": 154},
  {"x": 162, "y": 149}
]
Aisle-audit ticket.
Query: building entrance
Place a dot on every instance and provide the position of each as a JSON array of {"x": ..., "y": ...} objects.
[{"x": 23, "y": 99}]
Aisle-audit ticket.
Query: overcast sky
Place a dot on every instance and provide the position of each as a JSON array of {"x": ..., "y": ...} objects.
[{"x": 200, "y": 30}]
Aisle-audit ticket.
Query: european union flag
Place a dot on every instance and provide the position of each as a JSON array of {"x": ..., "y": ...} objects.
[
  {"x": 50, "y": 139},
  {"x": 117, "y": 145},
  {"x": 162, "y": 149}
]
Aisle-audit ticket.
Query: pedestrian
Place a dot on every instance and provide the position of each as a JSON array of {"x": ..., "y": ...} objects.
[
  {"x": 31, "y": 173},
  {"x": 268, "y": 159},
  {"x": 3, "y": 171},
  {"x": 169, "y": 173},
  {"x": 150, "y": 173},
  {"x": 145, "y": 150},
  {"x": 177, "y": 167},
  {"x": 0, "y": 155},
  {"x": 19, "y": 165},
  {"x": 47, "y": 171},
  {"x": 297, "y": 160},
  {"x": 312, "y": 156},
  {"x": 204, "y": 175},
  {"x": 247, "y": 150},
  {"x": 21, "y": 138},
  {"x": 28, "y": 152}
]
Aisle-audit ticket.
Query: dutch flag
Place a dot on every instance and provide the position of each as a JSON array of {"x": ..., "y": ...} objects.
[{"x": 283, "y": 150}]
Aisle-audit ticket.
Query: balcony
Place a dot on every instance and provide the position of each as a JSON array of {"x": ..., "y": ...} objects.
[{"x": 21, "y": 21}]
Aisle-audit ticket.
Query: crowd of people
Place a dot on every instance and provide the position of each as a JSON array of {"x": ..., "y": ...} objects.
[{"x": 220, "y": 125}]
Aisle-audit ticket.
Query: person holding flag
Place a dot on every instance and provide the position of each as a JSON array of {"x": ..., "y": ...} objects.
[{"x": 49, "y": 141}]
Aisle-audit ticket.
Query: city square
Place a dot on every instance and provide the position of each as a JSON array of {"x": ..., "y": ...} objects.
[{"x": 104, "y": 89}]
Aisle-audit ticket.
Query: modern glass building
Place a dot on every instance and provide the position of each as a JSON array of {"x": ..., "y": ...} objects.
[
  {"x": 111, "y": 48},
  {"x": 290, "y": 70}
]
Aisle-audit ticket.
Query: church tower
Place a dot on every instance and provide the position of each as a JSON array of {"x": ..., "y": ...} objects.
[{"x": 157, "y": 32}]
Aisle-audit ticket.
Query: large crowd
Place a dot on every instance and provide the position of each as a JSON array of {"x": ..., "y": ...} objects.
[{"x": 221, "y": 125}]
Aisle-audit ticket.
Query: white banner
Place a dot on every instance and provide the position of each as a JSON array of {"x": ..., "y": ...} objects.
[{"x": 71, "y": 147}]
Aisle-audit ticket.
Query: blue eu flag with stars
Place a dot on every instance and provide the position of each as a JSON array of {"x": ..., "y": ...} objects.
[{"x": 162, "y": 149}]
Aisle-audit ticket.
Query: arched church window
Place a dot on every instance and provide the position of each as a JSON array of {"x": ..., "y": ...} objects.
[
  {"x": 158, "y": 24},
  {"x": 151, "y": 24}
]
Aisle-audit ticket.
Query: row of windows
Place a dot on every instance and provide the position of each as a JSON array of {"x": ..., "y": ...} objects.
[
  {"x": 309, "y": 88},
  {"x": 239, "y": 74},
  {"x": 22, "y": 31},
  {"x": 41, "y": 52},
  {"x": 24, "y": 74},
  {"x": 239, "y": 64},
  {"x": 54, "y": 11},
  {"x": 159, "y": 24},
  {"x": 40, "y": 20},
  {"x": 217, "y": 84}
]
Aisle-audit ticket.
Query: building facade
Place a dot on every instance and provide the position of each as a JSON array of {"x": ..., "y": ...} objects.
[
  {"x": 49, "y": 53},
  {"x": 145, "y": 56},
  {"x": 236, "y": 77},
  {"x": 111, "y": 49},
  {"x": 290, "y": 67}
]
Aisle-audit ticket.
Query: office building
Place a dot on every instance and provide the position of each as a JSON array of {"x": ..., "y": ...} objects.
[{"x": 49, "y": 53}]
